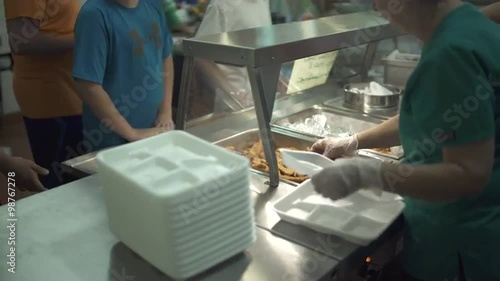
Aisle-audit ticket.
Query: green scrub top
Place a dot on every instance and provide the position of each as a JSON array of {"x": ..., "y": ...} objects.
[{"x": 452, "y": 99}]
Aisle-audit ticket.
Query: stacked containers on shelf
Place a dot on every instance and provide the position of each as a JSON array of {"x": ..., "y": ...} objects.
[{"x": 179, "y": 202}]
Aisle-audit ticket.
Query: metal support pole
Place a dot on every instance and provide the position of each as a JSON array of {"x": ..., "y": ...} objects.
[
  {"x": 187, "y": 75},
  {"x": 371, "y": 51},
  {"x": 264, "y": 83}
]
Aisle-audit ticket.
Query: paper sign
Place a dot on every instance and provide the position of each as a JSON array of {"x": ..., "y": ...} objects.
[{"x": 310, "y": 72}]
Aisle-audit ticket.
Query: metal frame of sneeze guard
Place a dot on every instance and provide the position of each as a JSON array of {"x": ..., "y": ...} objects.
[{"x": 263, "y": 50}]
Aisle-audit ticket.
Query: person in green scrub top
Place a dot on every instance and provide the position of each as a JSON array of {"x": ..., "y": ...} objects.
[{"x": 449, "y": 128}]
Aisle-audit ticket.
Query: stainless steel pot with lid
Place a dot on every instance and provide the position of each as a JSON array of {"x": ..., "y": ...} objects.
[{"x": 356, "y": 97}]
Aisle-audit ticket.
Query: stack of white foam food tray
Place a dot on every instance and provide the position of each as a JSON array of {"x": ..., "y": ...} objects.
[{"x": 179, "y": 202}]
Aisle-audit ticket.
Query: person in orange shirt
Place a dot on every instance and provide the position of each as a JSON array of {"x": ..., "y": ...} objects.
[{"x": 41, "y": 41}]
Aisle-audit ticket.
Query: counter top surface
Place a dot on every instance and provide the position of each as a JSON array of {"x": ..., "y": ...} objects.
[
  {"x": 263, "y": 199},
  {"x": 263, "y": 196},
  {"x": 63, "y": 234}
]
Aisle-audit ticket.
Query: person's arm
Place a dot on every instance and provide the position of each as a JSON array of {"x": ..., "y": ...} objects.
[
  {"x": 4, "y": 163},
  {"x": 164, "y": 118},
  {"x": 23, "y": 26},
  {"x": 168, "y": 77},
  {"x": 465, "y": 171},
  {"x": 165, "y": 114},
  {"x": 23, "y": 172},
  {"x": 466, "y": 134},
  {"x": 492, "y": 11},
  {"x": 89, "y": 65},
  {"x": 101, "y": 105},
  {"x": 383, "y": 135},
  {"x": 453, "y": 109}
]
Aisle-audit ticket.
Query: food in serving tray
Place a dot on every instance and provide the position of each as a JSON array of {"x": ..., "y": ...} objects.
[
  {"x": 255, "y": 153},
  {"x": 383, "y": 150}
]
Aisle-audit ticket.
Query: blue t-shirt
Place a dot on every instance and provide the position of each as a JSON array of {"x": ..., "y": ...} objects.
[{"x": 122, "y": 49}]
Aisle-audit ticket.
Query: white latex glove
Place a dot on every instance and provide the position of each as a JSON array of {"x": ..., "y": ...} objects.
[
  {"x": 347, "y": 176},
  {"x": 336, "y": 147}
]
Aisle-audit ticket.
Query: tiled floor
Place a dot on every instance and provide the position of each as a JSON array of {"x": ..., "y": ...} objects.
[{"x": 13, "y": 136}]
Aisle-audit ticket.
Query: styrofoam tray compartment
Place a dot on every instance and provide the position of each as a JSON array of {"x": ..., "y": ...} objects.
[
  {"x": 359, "y": 218},
  {"x": 304, "y": 162},
  {"x": 150, "y": 183}
]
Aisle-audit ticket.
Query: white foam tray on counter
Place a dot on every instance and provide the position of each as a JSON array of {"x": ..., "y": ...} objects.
[
  {"x": 181, "y": 203},
  {"x": 359, "y": 218}
]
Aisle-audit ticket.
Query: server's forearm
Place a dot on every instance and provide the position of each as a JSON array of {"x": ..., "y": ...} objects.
[
  {"x": 384, "y": 135},
  {"x": 492, "y": 12}
]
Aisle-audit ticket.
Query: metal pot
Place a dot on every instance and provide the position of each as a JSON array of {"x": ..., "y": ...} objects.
[{"x": 356, "y": 99}]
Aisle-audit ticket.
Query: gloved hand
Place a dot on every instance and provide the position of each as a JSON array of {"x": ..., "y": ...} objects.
[
  {"x": 336, "y": 147},
  {"x": 347, "y": 176}
]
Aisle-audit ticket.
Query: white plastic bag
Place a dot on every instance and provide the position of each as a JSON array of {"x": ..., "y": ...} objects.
[{"x": 232, "y": 15}]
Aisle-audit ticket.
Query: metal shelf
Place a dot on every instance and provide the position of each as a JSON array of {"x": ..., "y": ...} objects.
[{"x": 263, "y": 51}]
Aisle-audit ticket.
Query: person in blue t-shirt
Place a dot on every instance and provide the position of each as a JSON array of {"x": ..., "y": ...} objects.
[{"x": 123, "y": 71}]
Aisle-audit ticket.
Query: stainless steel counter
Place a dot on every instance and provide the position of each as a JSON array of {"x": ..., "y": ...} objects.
[
  {"x": 265, "y": 218},
  {"x": 63, "y": 234},
  {"x": 332, "y": 246}
]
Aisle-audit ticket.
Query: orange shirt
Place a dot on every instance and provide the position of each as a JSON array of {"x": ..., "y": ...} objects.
[{"x": 43, "y": 84}]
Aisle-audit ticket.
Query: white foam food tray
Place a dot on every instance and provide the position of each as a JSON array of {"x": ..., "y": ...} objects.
[
  {"x": 164, "y": 193},
  {"x": 359, "y": 218}
]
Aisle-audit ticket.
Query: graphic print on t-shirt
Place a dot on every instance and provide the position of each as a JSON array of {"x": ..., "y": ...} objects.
[{"x": 140, "y": 42}]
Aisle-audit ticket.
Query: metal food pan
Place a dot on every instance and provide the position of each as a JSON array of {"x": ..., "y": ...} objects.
[
  {"x": 350, "y": 124},
  {"x": 359, "y": 100},
  {"x": 246, "y": 139}
]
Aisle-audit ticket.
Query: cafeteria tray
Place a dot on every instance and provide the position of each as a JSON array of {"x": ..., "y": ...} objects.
[{"x": 359, "y": 218}]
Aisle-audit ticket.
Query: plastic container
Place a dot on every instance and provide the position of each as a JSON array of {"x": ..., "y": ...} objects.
[
  {"x": 399, "y": 67},
  {"x": 181, "y": 203},
  {"x": 359, "y": 218}
]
